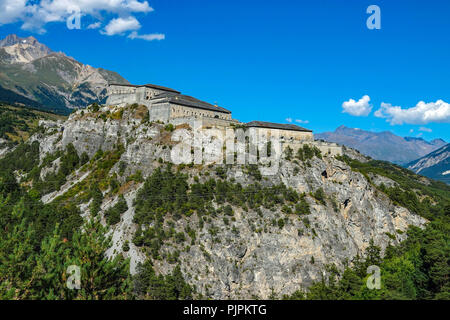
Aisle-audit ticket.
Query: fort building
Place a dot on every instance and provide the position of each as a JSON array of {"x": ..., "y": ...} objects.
[
  {"x": 288, "y": 133},
  {"x": 170, "y": 106},
  {"x": 164, "y": 104}
]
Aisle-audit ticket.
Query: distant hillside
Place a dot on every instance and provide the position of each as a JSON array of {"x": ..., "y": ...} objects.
[
  {"x": 32, "y": 74},
  {"x": 11, "y": 97},
  {"x": 382, "y": 145},
  {"x": 435, "y": 165},
  {"x": 18, "y": 123}
]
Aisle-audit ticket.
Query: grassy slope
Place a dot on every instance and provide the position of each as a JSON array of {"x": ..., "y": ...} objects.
[{"x": 17, "y": 123}]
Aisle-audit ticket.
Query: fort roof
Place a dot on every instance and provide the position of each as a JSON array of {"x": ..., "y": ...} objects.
[
  {"x": 187, "y": 101},
  {"x": 271, "y": 125},
  {"x": 149, "y": 85}
]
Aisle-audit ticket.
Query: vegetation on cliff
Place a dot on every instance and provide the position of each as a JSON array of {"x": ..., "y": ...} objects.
[
  {"x": 416, "y": 269},
  {"x": 39, "y": 241}
]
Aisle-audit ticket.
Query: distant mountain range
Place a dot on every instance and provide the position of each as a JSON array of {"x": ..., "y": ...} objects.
[
  {"x": 435, "y": 165},
  {"x": 32, "y": 74},
  {"x": 382, "y": 145}
]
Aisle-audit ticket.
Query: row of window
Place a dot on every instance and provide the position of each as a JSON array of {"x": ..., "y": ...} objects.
[
  {"x": 122, "y": 91},
  {"x": 187, "y": 112}
]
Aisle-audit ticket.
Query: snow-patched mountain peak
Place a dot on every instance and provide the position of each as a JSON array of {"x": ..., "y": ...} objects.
[{"x": 22, "y": 50}]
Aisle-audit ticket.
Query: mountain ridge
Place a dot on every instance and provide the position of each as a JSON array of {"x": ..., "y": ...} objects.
[
  {"x": 382, "y": 145},
  {"x": 33, "y": 71},
  {"x": 435, "y": 165}
]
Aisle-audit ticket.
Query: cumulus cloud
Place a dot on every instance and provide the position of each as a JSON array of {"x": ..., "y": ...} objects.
[
  {"x": 425, "y": 129},
  {"x": 36, "y": 14},
  {"x": 121, "y": 25},
  {"x": 422, "y": 113},
  {"x": 136, "y": 6},
  {"x": 289, "y": 119},
  {"x": 11, "y": 10},
  {"x": 360, "y": 108}
]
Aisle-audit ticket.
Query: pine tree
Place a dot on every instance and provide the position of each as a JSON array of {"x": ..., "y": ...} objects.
[{"x": 17, "y": 256}]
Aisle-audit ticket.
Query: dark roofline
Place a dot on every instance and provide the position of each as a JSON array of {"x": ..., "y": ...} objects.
[
  {"x": 272, "y": 125},
  {"x": 122, "y": 84},
  {"x": 149, "y": 85},
  {"x": 213, "y": 108},
  {"x": 154, "y": 86},
  {"x": 190, "y": 102}
]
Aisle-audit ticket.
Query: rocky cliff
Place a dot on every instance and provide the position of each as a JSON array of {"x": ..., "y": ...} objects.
[{"x": 233, "y": 250}]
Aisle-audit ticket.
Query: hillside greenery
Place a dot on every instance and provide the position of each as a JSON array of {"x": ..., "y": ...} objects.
[
  {"x": 416, "y": 269},
  {"x": 38, "y": 242},
  {"x": 167, "y": 194},
  {"x": 18, "y": 123}
]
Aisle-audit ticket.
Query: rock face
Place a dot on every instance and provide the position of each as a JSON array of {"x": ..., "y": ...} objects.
[
  {"x": 32, "y": 71},
  {"x": 23, "y": 50},
  {"x": 382, "y": 145},
  {"x": 250, "y": 256}
]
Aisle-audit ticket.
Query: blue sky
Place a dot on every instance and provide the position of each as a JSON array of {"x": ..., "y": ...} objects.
[{"x": 277, "y": 60}]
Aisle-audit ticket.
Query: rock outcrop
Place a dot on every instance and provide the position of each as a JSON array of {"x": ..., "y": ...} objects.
[{"x": 250, "y": 256}]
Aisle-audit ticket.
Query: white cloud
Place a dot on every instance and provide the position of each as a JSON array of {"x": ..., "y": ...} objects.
[
  {"x": 148, "y": 37},
  {"x": 358, "y": 108},
  {"x": 411, "y": 130},
  {"x": 136, "y": 6},
  {"x": 121, "y": 25},
  {"x": 36, "y": 14},
  {"x": 11, "y": 10},
  {"x": 422, "y": 113},
  {"x": 425, "y": 129},
  {"x": 297, "y": 120},
  {"x": 95, "y": 25}
]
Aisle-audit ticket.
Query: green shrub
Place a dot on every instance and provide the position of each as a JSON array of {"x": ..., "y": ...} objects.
[
  {"x": 112, "y": 215},
  {"x": 94, "y": 107},
  {"x": 169, "y": 127},
  {"x": 288, "y": 152},
  {"x": 319, "y": 195},
  {"x": 302, "y": 207}
]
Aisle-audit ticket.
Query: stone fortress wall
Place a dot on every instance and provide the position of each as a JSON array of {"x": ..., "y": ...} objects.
[
  {"x": 296, "y": 140},
  {"x": 169, "y": 106},
  {"x": 164, "y": 104},
  {"x": 121, "y": 94}
]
